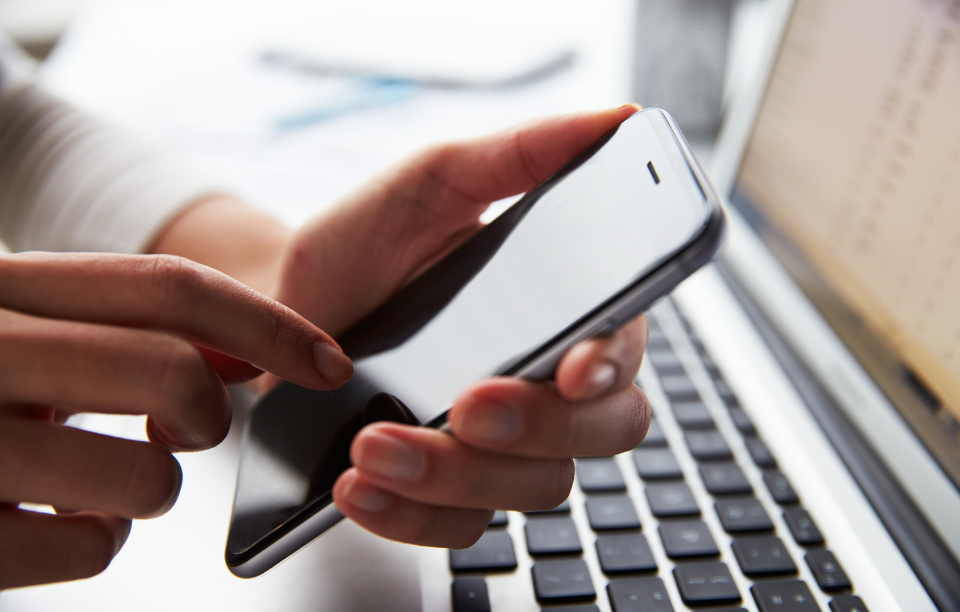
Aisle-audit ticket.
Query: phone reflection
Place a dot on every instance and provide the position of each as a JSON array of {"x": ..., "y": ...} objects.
[
  {"x": 299, "y": 444},
  {"x": 418, "y": 303}
]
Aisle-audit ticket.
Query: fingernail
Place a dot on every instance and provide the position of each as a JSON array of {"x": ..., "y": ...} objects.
[
  {"x": 335, "y": 367},
  {"x": 366, "y": 498},
  {"x": 496, "y": 422},
  {"x": 632, "y": 105},
  {"x": 389, "y": 457},
  {"x": 601, "y": 378}
]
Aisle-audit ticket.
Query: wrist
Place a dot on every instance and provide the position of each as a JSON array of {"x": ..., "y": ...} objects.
[{"x": 226, "y": 234}]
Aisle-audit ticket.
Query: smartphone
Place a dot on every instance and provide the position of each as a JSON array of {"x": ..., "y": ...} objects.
[{"x": 582, "y": 253}]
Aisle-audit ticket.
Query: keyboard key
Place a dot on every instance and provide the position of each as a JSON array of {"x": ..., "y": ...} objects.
[
  {"x": 562, "y": 581},
  {"x": 827, "y": 571},
  {"x": 626, "y": 553},
  {"x": 706, "y": 584},
  {"x": 679, "y": 388},
  {"x": 563, "y": 508},
  {"x": 741, "y": 514},
  {"x": 802, "y": 527},
  {"x": 499, "y": 519},
  {"x": 552, "y": 536},
  {"x": 726, "y": 393},
  {"x": 724, "y": 479},
  {"x": 763, "y": 556},
  {"x": 785, "y": 596},
  {"x": 657, "y": 341},
  {"x": 599, "y": 475},
  {"x": 656, "y": 464},
  {"x": 742, "y": 421},
  {"x": 779, "y": 487},
  {"x": 493, "y": 551},
  {"x": 847, "y": 603},
  {"x": 470, "y": 594},
  {"x": 687, "y": 539},
  {"x": 707, "y": 446},
  {"x": 759, "y": 452},
  {"x": 574, "y": 609},
  {"x": 612, "y": 512},
  {"x": 655, "y": 436},
  {"x": 671, "y": 499},
  {"x": 693, "y": 415},
  {"x": 639, "y": 595},
  {"x": 665, "y": 361},
  {"x": 710, "y": 365}
]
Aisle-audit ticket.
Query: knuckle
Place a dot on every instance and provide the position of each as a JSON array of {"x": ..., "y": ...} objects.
[
  {"x": 423, "y": 530},
  {"x": 552, "y": 485},
  {"x": 186, "y": 383},
  {"x": 525, "y": 161},
  {"x": 184, "y": 378},
  {"x": 151, "y": 481},
  {"x": 280, "y": 323},
  {"x": 177, "y": 279},
  {"x": 562, "y": 483},
  {"x": 94, "y": 556},
  {"x": 472, "y": 485},
  {"x": 472, "y": 528},
  {"x": 436, "y": 161},
  {"x": 436, "y": 156},
  {"x": 575, "y": 428}
]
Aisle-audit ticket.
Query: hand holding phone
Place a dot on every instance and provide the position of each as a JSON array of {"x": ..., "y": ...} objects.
[
  {"x": 511, "y": 448},
  {"x": 513, "y": 438}
]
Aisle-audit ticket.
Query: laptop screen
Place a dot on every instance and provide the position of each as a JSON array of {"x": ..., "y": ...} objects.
[{"x": 855, "y": 160}]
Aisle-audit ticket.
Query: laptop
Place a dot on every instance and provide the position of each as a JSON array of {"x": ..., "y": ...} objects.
[{"x": 805, "y": 453}]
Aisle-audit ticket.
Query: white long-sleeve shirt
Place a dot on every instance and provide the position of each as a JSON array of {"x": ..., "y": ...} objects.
[{"x": 69, "y": 182}]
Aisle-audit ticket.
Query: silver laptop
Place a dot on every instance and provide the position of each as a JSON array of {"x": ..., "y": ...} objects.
[{"x": 806, "y": 390}]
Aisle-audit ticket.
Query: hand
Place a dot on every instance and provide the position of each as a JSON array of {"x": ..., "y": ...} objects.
[
  {"x": 126, "y": 335},
  {"x": 513, "y": 440},
  {"x": 512, "y": 447}
]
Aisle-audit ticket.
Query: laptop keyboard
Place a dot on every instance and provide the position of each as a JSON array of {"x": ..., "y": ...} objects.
[{"x": 698, "y": 516}]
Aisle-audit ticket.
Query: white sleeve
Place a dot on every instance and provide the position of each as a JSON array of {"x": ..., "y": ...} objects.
[{"x": 71, "y": 183}]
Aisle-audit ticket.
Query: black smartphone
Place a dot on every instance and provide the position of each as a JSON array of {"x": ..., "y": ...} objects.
[{"x": 585, "y": 251}]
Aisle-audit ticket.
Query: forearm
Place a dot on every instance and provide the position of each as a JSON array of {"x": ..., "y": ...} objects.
[
  {"x": 224, "y": 233},
  {"x": 71, "y": 183}
]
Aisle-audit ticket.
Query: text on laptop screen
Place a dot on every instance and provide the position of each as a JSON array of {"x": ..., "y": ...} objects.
[{"x": 855, "y": 156}]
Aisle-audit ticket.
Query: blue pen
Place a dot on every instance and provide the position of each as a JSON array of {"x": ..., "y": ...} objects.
[{"x": 370, "y": 93}]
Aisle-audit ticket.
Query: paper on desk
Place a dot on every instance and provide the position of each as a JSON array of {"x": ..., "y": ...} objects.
[
  {"x": 191, "y": 75},
  {"x": 437, "y": 41}
]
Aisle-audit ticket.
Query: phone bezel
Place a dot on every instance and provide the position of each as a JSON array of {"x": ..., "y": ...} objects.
[{"x": 320, "y": 514}]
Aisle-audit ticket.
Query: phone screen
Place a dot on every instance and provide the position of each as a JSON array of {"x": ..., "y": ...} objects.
[{"x": 593, "y": 230}]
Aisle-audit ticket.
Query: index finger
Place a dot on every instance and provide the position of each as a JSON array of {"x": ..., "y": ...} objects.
[{"x": 173, "y": 294}]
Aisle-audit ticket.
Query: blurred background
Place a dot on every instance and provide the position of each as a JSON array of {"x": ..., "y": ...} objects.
[{"x": 292, "y": 104}]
